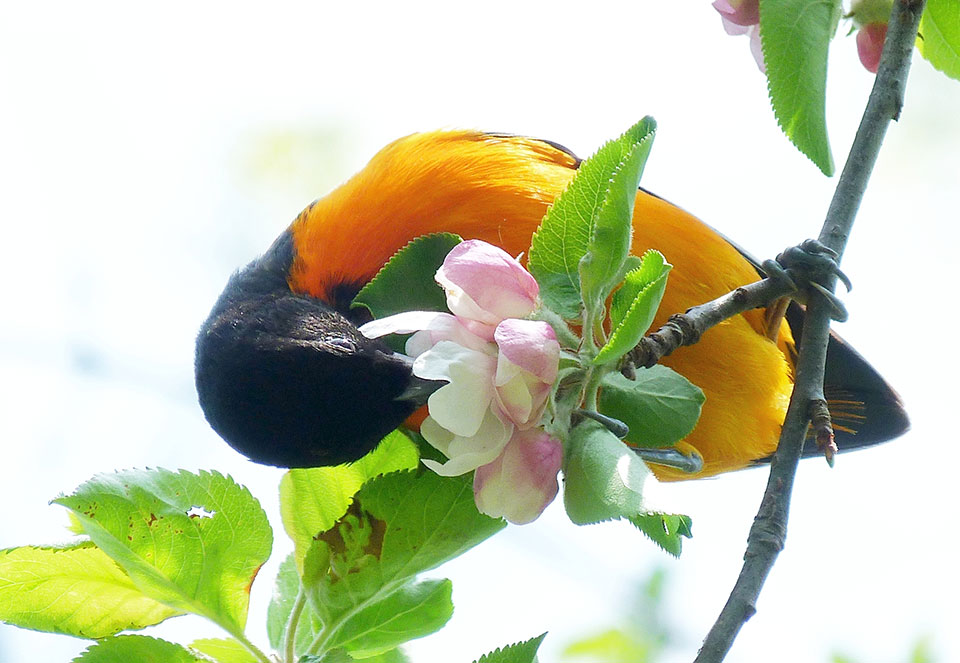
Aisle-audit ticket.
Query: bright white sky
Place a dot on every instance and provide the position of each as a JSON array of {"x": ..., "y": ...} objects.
[{"x": 132, "y": 188}]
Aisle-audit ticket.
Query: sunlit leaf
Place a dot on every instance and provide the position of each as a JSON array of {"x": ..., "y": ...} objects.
[
  {"x": 313, "y": 499},
  {"x": 75, "y": 590},
  {"x": 192, "y": 541},
  {"x": 139, "y": 648},
  {"x": 939, "y": 40}
]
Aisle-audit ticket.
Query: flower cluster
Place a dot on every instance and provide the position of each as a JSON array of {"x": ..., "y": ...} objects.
[{"x": 499, "y": 368}]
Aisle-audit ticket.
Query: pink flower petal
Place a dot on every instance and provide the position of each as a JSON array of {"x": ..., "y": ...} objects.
[
  {"x": 522, "y": 481},
  {"x": 485, "y": 284},
  {"x": 530, "y": 344}
]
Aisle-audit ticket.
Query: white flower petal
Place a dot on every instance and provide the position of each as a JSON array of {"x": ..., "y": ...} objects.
[
  {"x": 401, "y": 323},
  {"x": 460, "y": 405},
  {"x": 469, "y": 453}
]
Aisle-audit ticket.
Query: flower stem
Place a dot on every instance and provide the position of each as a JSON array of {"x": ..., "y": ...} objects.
[{"x": 293, "y": 621}]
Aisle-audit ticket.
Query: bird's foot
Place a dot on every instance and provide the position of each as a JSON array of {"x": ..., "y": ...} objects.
[
  {"x": 615, "y": 426},
  {"x": 689, "y": 463},
  {"x": 807, "y": 266}
]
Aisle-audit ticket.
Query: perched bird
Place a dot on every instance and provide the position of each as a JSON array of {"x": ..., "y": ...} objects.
[{"x": 285, "y": 377}]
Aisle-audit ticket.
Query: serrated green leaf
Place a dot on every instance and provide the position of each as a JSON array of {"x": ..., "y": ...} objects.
[
  {"x": 567, "y": 230},
  {"x": 406, "y": 282},
  {"x": 341, "y": 656},
  {"x": 313, "y": 499},
  {"x": 660, "y": 407},
  {"x": 612, "y": 233},
  {"x": 430, "y": 519},
  {"x": 194, "y": 542},
  {"x": 939, "y": 40},
  {"x": 224, "y": 650},
  {"x": 665, "y": 529},
  {"x": 635, "y": 305},
  {"x": 520, "y": 652},
  {"x": 285, "y": 591},
  {"x": 651, "y": 267},
  {"x": 603, "y": 478},
  {"x": 795, "y": 35},
  {"x": 74, "y": 590},
  {"x": 414, "y": 521},
  {"x": 392, "y": 656},
  {"x": 413, "y": 611},
  {"x": 139, "y": 648}
]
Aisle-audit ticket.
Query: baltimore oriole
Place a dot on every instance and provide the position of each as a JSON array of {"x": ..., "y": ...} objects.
[{"x": 286, "y": 378}]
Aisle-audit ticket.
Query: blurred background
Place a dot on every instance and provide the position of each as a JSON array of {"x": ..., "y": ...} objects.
[{"x": 145, "y": 154}]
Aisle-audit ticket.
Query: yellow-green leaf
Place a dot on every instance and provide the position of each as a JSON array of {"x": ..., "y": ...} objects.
[{"x": 75, "y": 590}]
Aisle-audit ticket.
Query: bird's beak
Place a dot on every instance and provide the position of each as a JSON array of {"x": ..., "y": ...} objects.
[{"x": 418, "y": 389}]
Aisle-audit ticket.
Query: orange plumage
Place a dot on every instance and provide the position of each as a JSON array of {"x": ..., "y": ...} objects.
[{"x": 497, "y": 188}]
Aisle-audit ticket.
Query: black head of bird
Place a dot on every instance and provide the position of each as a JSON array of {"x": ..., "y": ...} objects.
[{"x": 287, "y": 380}]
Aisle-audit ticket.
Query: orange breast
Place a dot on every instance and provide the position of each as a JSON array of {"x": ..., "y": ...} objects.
[{"x": 497, "y": 189}]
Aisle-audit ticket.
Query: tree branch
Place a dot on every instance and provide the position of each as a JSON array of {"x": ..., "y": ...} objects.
[
  {"x": 768, "y": 533},
  {"x": 686, "y": 328}
]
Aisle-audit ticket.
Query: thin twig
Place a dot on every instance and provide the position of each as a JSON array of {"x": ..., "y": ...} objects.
[
  {"x": 686, "y": 328},
  {"x": 769, "y": 529}
]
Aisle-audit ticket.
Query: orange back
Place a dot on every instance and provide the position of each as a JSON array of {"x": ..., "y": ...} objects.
[{"x": 497, "y": 188}]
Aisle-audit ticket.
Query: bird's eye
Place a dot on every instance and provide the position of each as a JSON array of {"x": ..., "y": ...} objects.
[{"x": 341, "y": 343}]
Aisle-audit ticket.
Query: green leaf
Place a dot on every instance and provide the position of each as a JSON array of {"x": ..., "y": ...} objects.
[
  {"x": 660, "y": 407},
  {"x": 635, "y": 305},
  {"x": 593, "y": 214},
  {"x": 795, "y": 35},
  {"x": 413, "y": 611},
  {"x": 285, "y": 591},
  {"x": 430, "y": 519},
  {"x": 224, "y": 650},
  {"x": 603, "y": 478},
  {"x": 75, "y": 590},
  {"x": 520, "y": 652},
  {"x": 613, "y": 228},
  {"x": 402, "y": 524},
  {"x": 341, "y": 656},
  {"x": 313, "y": 499},
  {"x": 665, "y": 529},
  {"x": 939, "y": 40},
  {"x": 139, "y": 648},
  {"x": 193, "y": 542},
  {"x": 406, "y": 282}
]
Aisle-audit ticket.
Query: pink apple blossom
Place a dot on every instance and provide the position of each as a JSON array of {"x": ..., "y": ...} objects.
[
  {"x": 499, "y": 369},
  {"x": 522, "y": 481}
]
